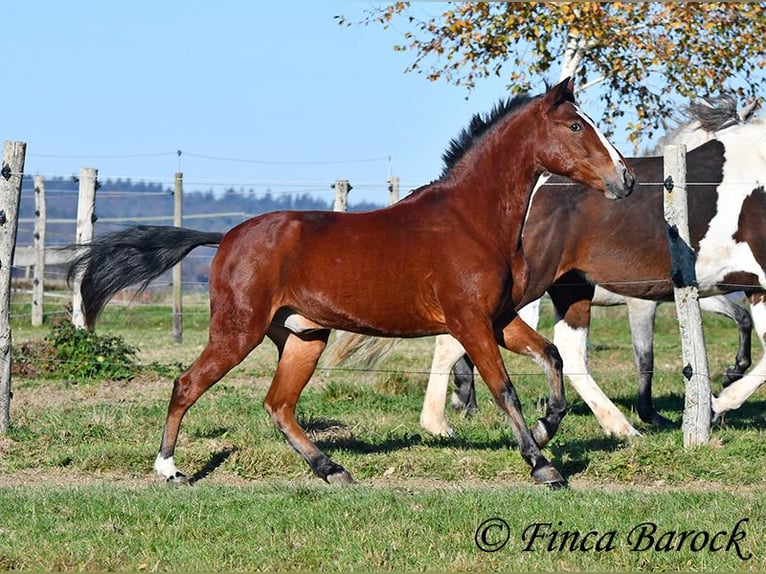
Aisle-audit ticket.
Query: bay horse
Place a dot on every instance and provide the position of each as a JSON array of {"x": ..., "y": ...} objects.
[
  {"x": 447, "y": 259},
  {"x": 726, "y": 202}
]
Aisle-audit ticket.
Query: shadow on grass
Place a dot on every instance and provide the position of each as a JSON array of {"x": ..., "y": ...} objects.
[
  {"x": 216, "y": 460},
  {"x": 574, "y": 456}
]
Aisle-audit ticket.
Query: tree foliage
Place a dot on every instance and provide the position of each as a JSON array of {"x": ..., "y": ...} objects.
[{"x": 642, "y": 55}]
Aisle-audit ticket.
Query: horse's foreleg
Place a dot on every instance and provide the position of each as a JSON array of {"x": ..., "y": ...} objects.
[
  {"x": 482, "y": 346},
  {"x": 447, "y": 350},
  {"x": 570, "y": 334},
  {"x": 298, "y": 357},
  {"x": 523, "y": 340},
  {"x": 641, "y": 316}
]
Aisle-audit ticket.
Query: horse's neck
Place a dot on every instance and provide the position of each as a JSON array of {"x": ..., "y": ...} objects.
[{"x": 500, "y": 198}]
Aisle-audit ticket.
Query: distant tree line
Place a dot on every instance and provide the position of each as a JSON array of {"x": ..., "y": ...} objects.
[{"x": 127, "y": 199}]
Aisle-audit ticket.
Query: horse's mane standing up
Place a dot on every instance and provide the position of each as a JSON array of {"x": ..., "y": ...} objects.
[
  {"x": 707, "y": 114},
  {"x": 479, "y": 125}
]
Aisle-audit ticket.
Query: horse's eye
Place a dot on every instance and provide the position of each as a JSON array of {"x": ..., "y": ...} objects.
[{"x": 575, "y": 127}]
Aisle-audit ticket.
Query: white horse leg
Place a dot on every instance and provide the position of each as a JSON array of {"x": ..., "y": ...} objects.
[
  {"x": 447, "y": 351},
  {"x": 530, "y": 313},
  {"x": 572, "y": 344},
  {"x": 739, "y": 391}
]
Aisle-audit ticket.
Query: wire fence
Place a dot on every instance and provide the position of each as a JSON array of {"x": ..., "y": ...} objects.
[{"x": 163, "y": 285}]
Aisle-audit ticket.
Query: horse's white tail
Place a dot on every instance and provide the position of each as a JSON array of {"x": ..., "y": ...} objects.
[{"x": 357, "y": 350}]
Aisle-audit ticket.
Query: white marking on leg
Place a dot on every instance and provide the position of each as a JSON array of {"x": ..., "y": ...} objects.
[
  {"x": 530, "y": 313},
  {"x": 572, "y": 344},
  {"x": 447, "y": 351},
  {"x": 166, "y": 467},
  {"x": 733, "y": 396}
]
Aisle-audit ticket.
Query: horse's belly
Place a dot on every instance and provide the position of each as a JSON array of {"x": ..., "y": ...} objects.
[{"x": 715, "y": 263}]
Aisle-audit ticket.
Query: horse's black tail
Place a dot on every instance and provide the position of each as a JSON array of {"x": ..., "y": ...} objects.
[{"x": 117, "y": 260}]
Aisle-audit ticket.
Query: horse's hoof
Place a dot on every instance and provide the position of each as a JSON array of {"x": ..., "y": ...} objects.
[
  {"x": 178, "y": 479},
  {"x": 540, "y": 434},
  {"x": 549, "y": 476},
  {"x": 457, "y": 403},
  {"x": 657, "y": 420},
  {"x": 440, "y": 429},
  {"x": 558, "y": 485},
  {"x": 341, "y": 476}
]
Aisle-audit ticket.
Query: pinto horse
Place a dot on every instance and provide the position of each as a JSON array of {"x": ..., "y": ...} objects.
[{"x": 447, "y": 259}]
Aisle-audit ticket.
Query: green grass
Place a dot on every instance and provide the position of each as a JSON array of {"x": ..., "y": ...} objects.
[
  {"x": 287, "y": 526},
  {"x": 77, "y": 491}
]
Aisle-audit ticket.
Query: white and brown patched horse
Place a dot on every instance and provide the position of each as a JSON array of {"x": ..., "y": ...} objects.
[
  {"x": 447, "y": 259},
  {"x": 569, "y": 252}
]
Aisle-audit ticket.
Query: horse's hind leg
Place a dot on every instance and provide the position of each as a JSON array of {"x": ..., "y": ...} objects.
[
  {"x": 298, "y": 357},
  {"x": 739, "y": 391},
  {"x": 641, "y": 316},
  {"x": 724, "y": 305},
  {"x": 523, "y": 340},
  {"x": 219, "y": 356}
]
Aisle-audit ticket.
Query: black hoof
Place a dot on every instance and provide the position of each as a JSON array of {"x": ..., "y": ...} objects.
[
  {"x": 179, "y": 479},
  {"x": 341, "y": 476},
  {"x": 459, "y": 404},
  {"x": 659, "y": 421},
  {"x": 653, "y": 418},
  {"x": 544, "y": 473},
  {"x": 558, "y": 485}
]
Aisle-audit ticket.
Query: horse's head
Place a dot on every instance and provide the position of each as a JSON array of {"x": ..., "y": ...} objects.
[{"x": 574, "y": 146}]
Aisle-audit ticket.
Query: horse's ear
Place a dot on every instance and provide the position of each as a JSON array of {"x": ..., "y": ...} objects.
[{"x": 562, "y": 92}]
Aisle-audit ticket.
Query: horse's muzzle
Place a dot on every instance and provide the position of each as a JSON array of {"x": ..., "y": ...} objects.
[{"x": 622, "y": 188}]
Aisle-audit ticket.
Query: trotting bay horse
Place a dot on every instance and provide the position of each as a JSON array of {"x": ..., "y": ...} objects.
[
  {"x": 447, "y": 259},
  {"x": 622, "y": 246}
]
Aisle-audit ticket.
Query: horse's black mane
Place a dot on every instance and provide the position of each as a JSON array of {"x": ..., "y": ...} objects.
[{"x": 480, "y": 124}]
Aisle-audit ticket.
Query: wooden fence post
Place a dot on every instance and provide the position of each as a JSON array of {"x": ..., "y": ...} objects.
[
  {"x": 342, "y": 188},
  {"x": 11, "y": 175},
  {"x": 38, "y": 281},
  {"x": 86, "y": 217},
  {"x": 178, "y": 210},
  {"x": 696, "y": 417},
  {"x": 393, "y": 190}
]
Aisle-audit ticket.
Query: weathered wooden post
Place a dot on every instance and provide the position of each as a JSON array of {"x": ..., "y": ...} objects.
[
  {"x": 11, "y": 174},
  {"x": 393, "y": 190},
  {"x": 178, "y": 215},
  {"x": 38, "y": 281},
  {"x": 86, "y": 217},
  {"x": 697, "y": 405},
  {"x": 342, "y": 188}
]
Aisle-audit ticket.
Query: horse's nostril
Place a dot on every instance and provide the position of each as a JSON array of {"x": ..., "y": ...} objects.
[{"x": 628, "y": 179}]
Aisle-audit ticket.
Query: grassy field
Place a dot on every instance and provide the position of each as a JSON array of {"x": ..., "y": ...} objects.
[{"x": 77, "y": 490}]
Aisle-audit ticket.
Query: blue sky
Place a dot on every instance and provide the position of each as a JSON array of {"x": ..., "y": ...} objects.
[{"x": 261, "y": 95}]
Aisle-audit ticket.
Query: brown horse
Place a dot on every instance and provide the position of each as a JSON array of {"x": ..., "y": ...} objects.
[{"x": 400, "y": 272}]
